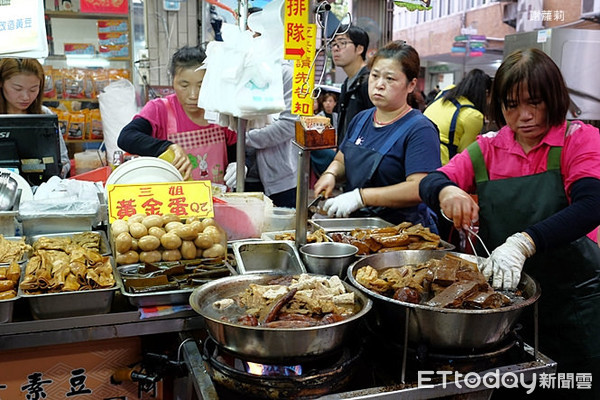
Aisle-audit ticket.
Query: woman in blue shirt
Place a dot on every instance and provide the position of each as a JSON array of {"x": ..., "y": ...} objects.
[{"x": 388, "y": 149}]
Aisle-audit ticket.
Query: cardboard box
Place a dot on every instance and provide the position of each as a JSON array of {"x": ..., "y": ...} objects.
[{"x": 312, "y": 139}]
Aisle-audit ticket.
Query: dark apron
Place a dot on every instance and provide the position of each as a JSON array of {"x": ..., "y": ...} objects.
[
  {"x": 365, "y": 162},
  {"x": 569, "y": 275}
]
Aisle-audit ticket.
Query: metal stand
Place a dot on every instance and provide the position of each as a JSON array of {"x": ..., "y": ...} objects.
[
  {"x": 535, "y": 330},
  {"x": 302, "y": 184},
  {"x": 405, "y": 349},
  {"x": 240, "y": 153},
  {"x": 240, "y": 148}
]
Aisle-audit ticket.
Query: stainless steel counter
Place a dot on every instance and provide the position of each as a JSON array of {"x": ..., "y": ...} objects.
[{"x": 123, "y": 321}]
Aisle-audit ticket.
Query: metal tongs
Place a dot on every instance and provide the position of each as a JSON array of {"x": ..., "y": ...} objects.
[{"x": 470, "y": 232}]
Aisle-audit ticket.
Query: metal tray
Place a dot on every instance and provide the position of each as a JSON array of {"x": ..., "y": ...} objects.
[
  {"x": 348, "y": 224},
  {"x": 23, "y": 259},
  {"x": 268, "y": 256},
  {"x": 72, "y": 304},
  {"x": 273, "y": 236},
  {"x": 6, "y": 306},
  {"x": 166, "y": 297},
  {"x": 104, "y": 245}
]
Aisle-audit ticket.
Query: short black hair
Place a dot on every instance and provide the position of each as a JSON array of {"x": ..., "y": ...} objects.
[
  {"x": 358, "y": 36},
  {"x": 534, "y": 68},
  {"x": 474, "y": 86},
  {"x": 403, "y": 53},
  {"x": 186, "y": 57}
]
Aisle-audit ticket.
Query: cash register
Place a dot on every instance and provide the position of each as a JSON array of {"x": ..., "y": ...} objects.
[{"x": 29, "y": 145}]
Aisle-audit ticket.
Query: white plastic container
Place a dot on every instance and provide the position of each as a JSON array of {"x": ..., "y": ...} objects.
[
  {"x": 57, "y": 224},
  {"x": 89, "y": 160},
  {"x": 242, "y": 215},
  {"x": 280, "y": 219}
]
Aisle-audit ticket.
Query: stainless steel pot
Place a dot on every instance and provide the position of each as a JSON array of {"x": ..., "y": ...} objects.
[
  {"x": 270, "y": 344},
  {"x": 440, "y": 328}
]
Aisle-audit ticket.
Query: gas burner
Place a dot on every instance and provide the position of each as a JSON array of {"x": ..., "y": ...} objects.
[
  {"x": 386, "y": 354},
  {"x": 285, "y": 380}
]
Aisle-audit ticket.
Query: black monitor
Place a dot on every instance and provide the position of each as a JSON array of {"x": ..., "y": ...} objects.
[{"x": 30, "y": 143}]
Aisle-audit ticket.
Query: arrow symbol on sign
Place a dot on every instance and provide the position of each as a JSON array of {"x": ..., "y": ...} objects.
[{"x": 295, "y": 52}]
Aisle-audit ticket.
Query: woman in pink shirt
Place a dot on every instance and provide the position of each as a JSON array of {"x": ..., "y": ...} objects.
[
  {"x": 538, "y": 185},
  {"x": 202, "y": 150}
]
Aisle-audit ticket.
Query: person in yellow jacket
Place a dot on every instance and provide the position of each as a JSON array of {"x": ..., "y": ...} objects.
[{"x": 458, "y": 111}]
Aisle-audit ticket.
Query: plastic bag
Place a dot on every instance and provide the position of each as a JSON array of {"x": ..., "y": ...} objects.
[
  {"x": 117, "y": 107},
  {"x": 64, "y": 198},
  {"x": 243, "y": 73}
]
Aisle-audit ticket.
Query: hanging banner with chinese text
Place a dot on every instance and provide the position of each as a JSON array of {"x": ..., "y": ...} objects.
[
  {"x": 295, "y": 20},
  {"x": 304, "y": 75},
  {"x": 105, "y": 6},
  {"x": 22, "y": 29},
  {"x": 184, "y": 199}
]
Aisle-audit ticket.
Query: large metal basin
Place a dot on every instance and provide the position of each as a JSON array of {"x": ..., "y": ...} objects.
[
  {"x": 270, "y": 344},
  {"x": 439, "y": 328}
]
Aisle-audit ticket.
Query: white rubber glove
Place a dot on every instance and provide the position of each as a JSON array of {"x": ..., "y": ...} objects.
[
  {"x": 344, "y": 204},
  {"x": 230, "y": 177},
  {"x": 506, "y": 262}
]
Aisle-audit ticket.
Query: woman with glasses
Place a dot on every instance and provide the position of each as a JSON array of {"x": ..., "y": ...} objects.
[
  {"x": 389, "y": 148},
  {"x": 201, "y": 150}
]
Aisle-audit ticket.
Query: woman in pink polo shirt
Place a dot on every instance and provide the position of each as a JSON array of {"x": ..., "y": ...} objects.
[
  {"x": 202, "y": 150},
  {"x": 538, "y": 186}
]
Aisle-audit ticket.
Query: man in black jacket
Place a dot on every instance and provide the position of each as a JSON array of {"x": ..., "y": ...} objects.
[{"x": 349, "y": 52}]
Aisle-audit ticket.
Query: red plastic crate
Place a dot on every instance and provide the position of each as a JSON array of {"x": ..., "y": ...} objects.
[{"x": 97, "y": 175}]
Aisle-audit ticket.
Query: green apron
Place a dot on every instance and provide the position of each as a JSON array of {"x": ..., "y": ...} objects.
[{"x": 569, "y": 275}]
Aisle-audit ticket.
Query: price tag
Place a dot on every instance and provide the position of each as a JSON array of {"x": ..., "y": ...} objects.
[{"x": 184, "y": 199}]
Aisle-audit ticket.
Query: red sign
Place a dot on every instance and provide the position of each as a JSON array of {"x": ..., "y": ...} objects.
[{"x": 105, "y": 6}]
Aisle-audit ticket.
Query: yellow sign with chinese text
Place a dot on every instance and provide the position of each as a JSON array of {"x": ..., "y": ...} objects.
[
  {"x": 185, "y": 199},
  {"x": 304, "y": 76},
  {"x": 295, "y": 20}
]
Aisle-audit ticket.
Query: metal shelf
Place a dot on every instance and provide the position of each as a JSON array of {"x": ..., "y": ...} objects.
[
  {"x": 79, "y": 15},
  {"x": 123, "y": 321}
]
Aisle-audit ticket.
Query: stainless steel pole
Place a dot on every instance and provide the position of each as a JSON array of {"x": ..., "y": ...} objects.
[
  {"x": 242, "y": 123},
  {"x": 302, "y": 195},
  {"x": 240, "y": 153}
]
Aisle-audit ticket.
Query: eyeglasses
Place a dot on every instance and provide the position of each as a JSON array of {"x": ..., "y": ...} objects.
[{"x": 340, "y": 44}]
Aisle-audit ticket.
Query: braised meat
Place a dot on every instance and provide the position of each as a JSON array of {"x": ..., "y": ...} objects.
[
  {"x": 408, "y": 295},
  {"x": 454, "y": 295},
  {"x": 449, "y": 282},
  {"x": 486, "y": 299},
  {"x": 399, "y": 237},
  {"x": 297, "y": 301}
]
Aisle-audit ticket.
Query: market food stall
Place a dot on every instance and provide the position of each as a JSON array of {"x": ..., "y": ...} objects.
[
  {"x": 132, "y": 297},
  {"x": 152, "y": 288}
]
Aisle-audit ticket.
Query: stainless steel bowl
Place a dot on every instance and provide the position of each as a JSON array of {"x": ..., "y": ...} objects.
[
  {"x": 270, "y": 344},
  {"x": 8, "y": 191},
  {"x": 328, "y": 258},
  {"x": 439, "y": 328}
]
